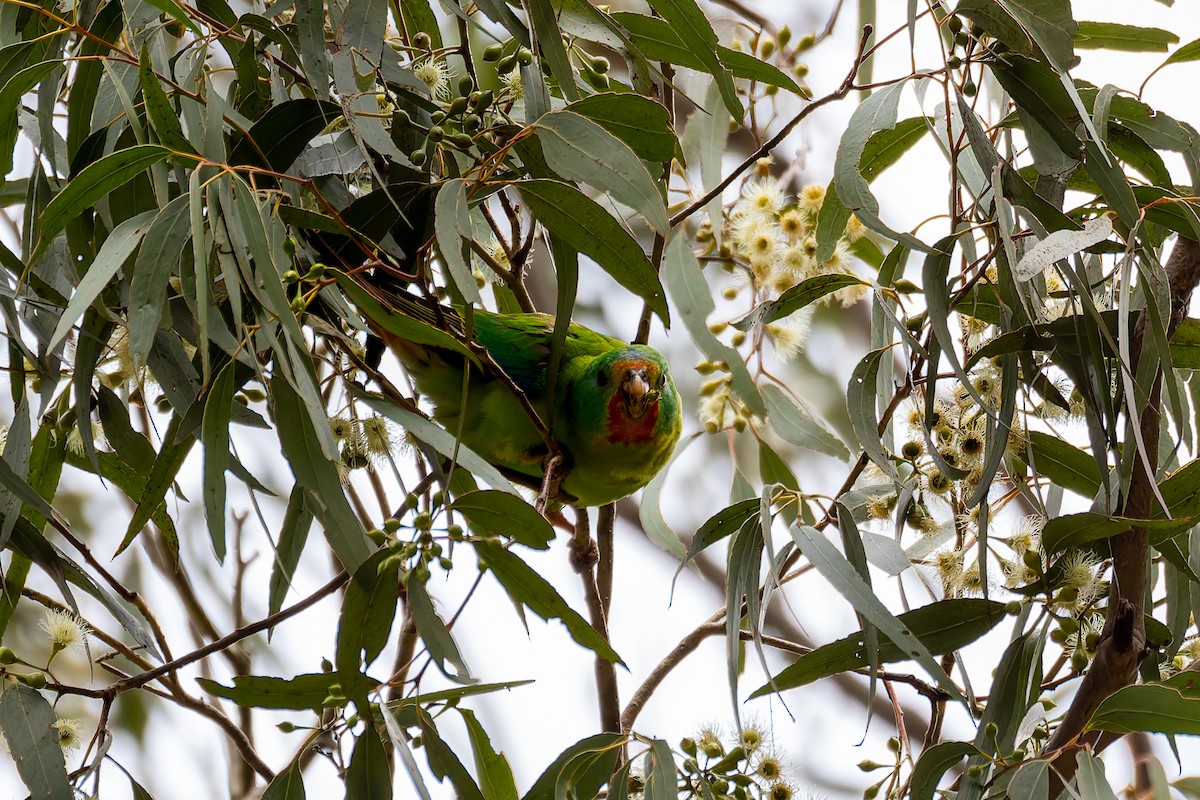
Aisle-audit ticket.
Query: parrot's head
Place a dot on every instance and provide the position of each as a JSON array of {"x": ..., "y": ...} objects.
[{"x": 636, "y": 390}]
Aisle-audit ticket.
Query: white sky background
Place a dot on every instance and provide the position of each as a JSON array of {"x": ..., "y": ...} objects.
[{"x": 533, "y": 724}]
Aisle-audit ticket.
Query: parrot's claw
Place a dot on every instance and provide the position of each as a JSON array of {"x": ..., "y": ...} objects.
[{"x": 553, "y": 472}]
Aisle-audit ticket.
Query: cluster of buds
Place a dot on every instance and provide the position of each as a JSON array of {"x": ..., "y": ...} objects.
[
  {"x": 781, "y": 49},
  {"x": 419, "y": 536}
]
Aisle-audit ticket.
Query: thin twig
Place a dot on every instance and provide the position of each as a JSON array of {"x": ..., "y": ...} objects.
[{"x": 844, "y": 89}]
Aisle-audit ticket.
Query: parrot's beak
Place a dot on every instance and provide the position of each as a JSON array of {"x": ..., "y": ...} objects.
[{"x": 638, "y": 394}]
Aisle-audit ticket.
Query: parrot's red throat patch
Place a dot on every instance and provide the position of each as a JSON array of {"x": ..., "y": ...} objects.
[{"x": 634, "y": 407}]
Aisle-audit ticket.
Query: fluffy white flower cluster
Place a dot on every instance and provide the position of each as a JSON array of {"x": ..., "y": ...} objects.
[{"x": 773, "y": 234}]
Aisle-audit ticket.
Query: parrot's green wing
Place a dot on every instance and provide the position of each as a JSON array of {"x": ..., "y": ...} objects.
[{"x": 520, "y": 345}]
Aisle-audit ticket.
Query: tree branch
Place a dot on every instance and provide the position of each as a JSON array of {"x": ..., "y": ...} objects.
[{"x": 1124, "y": 640}]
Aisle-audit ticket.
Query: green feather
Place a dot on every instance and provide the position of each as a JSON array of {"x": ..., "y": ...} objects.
[{"x": 613, "y": 443}]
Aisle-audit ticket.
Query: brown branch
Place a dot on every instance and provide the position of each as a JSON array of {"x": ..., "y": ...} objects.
[
  {"x": 142, "y": 678},
  {"x": 584, "y": 557},
  {"x": 1124, "y": 640}
]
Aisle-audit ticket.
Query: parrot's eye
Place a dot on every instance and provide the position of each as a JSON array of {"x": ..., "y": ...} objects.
[{"x": 602, "y": 378}]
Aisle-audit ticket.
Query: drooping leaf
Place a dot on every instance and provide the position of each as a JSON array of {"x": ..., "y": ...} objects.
[
  {"x": 495, "y": 513},
  {"x": 638, "y": 121},
  {"x": 943, "y": 627},
  {"x": 368, "y": 776},
  {"x": 834, "y": 567},
  {"x": 288, "y": 784},
  {"x": 117, "y": 248},
  {"x": 581, "y": 150},
  {"x": 157, "y": 258},
  {"x": 27, "y": 720},
  {"x": 452, "y": 223},
  {"x": 584, "y": 225},
  {"x": 93, "y": 183},
  {"x": 368, "y": 609},
  {"x": 319, "y": 476},
  {"x": 694, "y": 301},
  {"x": 303, "y": 692},
  {"x": 1118, "y": 36},
  {"x": 583, "y": 768},
  {"x": 696, "y": 34},
  {"x": 293, "y": 533},
  {"x": 434, "y": 633},
  {"x": 794, "y": 424},
  {"x": 531, "y": 590},
  {"x": 934, "y": 763}
]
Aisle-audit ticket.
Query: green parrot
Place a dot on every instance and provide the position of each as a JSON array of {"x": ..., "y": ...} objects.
[{"x": 616, "y": 413}]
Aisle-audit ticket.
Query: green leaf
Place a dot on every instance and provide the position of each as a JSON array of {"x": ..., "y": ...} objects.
[
  {"x": 1065, "y": 464},
  {"x": 163, "y": 117},
  {"x": 834, "y": 567},
  {"x": 434, "y": 633},
  {"x": 724, "y": 523},
  {"x": 1149, "y": 707},
  {"x": 933, "y": 765},
  {"x": 696, "y": 34},
  {"x": 327, "y": 498},
  {"x": 528, "y": 588},
  {"x": 1189, "y": 52},
  {"x": 368, "y": 777},
  {"x": 132, "y": 481},
  {"x": 1040, "y": 97},
  {"x": 18, "y": 446},
  {"x": 495, "y": 513},
  {"x": 452, "y": 225},
  {"x": 694, "y": 300},
  {"x": 792, "y": 422},
  {"x": 287, "y": 784},
  {"x": 831, "y": 223},
  {"x": 27, "y": 719},
  {"x": 495, "y": 775},
  {"x": 660, "y": 772},
  {"x": 157, "y": 259},
  {"x": 942, "y": 627},
  {"x": 11, "y": 94},
  {"x": 1116, "y": 36},
  {"x": 795, "y": 298},
  {"x": 303, "y": 692},
  {"x": 657, "y": 41},
  {"x": 1022, "y": 24},
  {"x": 1031, "y": 780},
  {"x": 444, "y": 761},
  {"x": 91, "y": 185},
  {"x": 583, "y": 768},
  {"x": 162, "y": 475},
  {"x": 581, "y": 150},
  {"x": 885, "y": 147},
  {"x": 440, "y": 440},
  {"x": 1185, "y": 345},
  {"x": 549, "y": 40},
  {"x": 116, "y": 249},
  {"x": 1090, "y": 778},
  {"x": 585, "y": 226},
  {"x": 218, "y": 409},
  {"x": 293, "y": 533},
  {"x": 1076, "y": 530},
  {"x": 638, "y": 121},
  {"x": 368, "y": 609},
  {"x": 283, "y": 132},
  {"x": 860, "y": 401}
]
